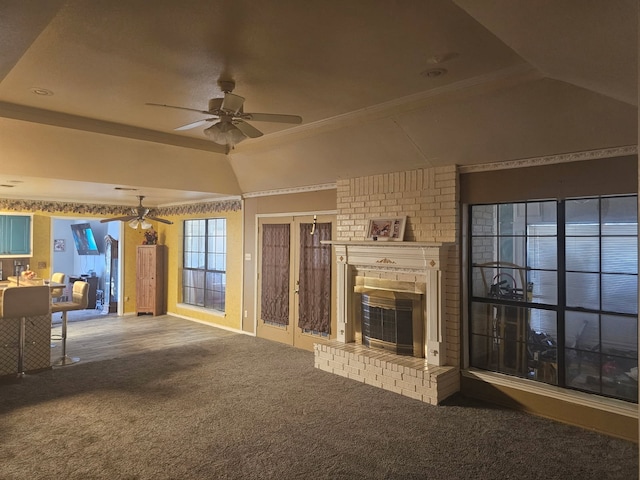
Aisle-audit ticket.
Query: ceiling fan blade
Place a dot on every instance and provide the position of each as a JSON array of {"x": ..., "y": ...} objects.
[
  {"x": 249, "y": 130},
  {"x": 126, "y": 218},
  {"x": 191, "y": 125},
  {"x": 179, "y": 108},
  {"x": 232, "y": 103},
  {"x": 161, "y": 220},
  {"x": 272, "y": 117}
]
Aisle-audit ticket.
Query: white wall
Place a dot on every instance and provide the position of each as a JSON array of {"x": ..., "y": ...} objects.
[{"x": 72, "y": 264}]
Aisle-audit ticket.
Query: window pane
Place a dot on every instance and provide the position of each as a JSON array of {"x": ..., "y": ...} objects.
[
  {"x": 620, "y": 293},
  {"x": 480, "y": 281},
  {"x": 544, "y": 215},
  {"x": 483, "y": 319},
  {"x": 544, "y": 321},
  {"x": 512, "y": 250},
  {"x": 583, "y": 370},
  {"x": 619, "y": 336},
  {"x": 583, "y": 254},
  {"x": 582, "y": 331},
  {"x": 542, "y": 350},
  {"x": 620, "y": 212},
  {"x": 583, "y": 290},
  {"x": 484, "y": 250},
  {"x": 601, "y": 267},
  {"x": 512, "y": 219},
  {"x": 620, "y": 254},
  {"x": 541, "y": 252},
  {"x": 204, "y": 281},
  {"x": 484, "y": 220},
  {"x": 543, "y": 286},
  {"x": 582, "y": 216}
]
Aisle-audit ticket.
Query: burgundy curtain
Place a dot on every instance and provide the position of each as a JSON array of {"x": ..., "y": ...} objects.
[
  {"x": 275, "y": 274},
  {"x": 315, "y": 278}
]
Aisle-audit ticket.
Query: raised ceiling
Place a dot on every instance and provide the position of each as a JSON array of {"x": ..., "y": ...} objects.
[{"x": 522, "y": 79}]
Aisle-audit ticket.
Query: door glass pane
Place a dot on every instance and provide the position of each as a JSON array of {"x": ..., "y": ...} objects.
[
  {"x": 314, "y": 297},
  {"x": 583, "y": 290},
  {"x": 583, "y": 254},
  {"x": 275, "y": 274}
]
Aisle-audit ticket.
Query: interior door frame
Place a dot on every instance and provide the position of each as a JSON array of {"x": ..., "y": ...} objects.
[{"x": 298, "y": 339}]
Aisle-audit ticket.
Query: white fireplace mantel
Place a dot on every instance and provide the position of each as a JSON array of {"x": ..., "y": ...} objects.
[{"x": 424, "y": 260}]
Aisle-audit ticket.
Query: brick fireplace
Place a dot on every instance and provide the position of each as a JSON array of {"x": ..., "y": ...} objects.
[{"x": 409, "y": 271}]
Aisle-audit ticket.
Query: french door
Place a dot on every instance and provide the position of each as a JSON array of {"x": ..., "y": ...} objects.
[{"x": 295, "y": 300}]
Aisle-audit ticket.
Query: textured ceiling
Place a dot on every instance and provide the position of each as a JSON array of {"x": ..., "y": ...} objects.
[{"x": 522, "y": 79}]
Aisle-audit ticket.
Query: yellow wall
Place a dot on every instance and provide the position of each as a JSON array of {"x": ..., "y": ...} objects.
[
  {"x": 42, "y": 246},
  {"x": 171, "y": 236}
]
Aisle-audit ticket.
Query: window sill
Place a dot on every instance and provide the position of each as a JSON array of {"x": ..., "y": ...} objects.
[
  {"x": 611, "y": 405},
  {"x": 208, "y": 311}
]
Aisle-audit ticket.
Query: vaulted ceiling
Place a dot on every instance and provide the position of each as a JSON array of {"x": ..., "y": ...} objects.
[{"x": 381, "y": 85}]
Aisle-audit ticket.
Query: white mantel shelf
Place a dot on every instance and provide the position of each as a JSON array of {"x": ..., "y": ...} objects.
[
  {"x": 383, "y": 243},
  {"x": 390, "y": 255}
]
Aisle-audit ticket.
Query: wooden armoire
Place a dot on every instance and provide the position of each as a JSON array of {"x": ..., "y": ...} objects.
[{"x": 150, "y": 295}]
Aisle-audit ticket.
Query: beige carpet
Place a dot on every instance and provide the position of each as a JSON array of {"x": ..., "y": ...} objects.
[{"x": 238, "y": 407}]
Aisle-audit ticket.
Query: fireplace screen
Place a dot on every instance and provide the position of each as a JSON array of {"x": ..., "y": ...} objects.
[{"x": 387, "y": 324}]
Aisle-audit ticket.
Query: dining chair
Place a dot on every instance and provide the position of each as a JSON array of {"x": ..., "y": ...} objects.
[
  {"x": 79, "y": 301},
  {"x": 57, "y": 292}
]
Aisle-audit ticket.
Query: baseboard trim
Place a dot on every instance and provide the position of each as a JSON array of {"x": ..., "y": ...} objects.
[{"x": 605, "y": 415}]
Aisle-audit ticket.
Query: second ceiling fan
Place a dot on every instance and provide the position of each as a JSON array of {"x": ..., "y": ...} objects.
[
  {"x": 231, "y": 125},
  {"x": 139, "y": 216}
]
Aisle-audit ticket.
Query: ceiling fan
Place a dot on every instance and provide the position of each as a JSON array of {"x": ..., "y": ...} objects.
[
  {"x": 139, "y": 216},
  {"x": 231, "y": 125}
]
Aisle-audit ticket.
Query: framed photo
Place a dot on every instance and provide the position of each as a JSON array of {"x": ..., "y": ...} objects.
[
  {"x": 386, "y": 229},
  {"x": 59, "y": 245}
]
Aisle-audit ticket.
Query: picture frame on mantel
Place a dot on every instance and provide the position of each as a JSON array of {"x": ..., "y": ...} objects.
[{"x": 389, "y": 229}]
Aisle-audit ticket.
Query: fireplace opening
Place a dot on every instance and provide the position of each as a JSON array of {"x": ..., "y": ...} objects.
[
  {"x": 387, "y": 323},
  {"x": 389, "y": 319}
]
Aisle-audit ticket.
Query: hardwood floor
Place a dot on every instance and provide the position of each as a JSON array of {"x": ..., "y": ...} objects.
[{"x": 101, "y": 337}]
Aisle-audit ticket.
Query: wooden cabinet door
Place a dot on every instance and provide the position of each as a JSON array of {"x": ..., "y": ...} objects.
[{"x": 150, "y": 281}]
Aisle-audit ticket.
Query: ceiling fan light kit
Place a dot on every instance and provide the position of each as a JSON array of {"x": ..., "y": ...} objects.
[
  {"x": 139, "y": 217},
  {"x": 224, "y": 133},
  {"x": 232, "y": 127},
  {"x": 142, "y": 224}
]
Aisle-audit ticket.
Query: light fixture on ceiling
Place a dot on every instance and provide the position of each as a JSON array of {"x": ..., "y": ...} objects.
[
  {"x": 225, "y": 133},
  {"x": 434, "y": 72},
  {"x": 42, "y": 91},
  {"x": 135, "y": 223}
]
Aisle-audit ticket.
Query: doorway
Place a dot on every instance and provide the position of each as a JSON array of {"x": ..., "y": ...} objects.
[
  {"x": 295, "y": 301},
  {"x": 98, "y": 266}
]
